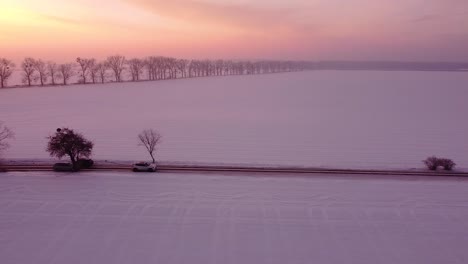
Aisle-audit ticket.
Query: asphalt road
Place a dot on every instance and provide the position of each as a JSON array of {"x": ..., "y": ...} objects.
[{"x": 244, "y": 169}]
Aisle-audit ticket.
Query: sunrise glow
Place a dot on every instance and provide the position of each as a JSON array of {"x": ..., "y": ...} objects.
[{"x": 319, "y": 29}]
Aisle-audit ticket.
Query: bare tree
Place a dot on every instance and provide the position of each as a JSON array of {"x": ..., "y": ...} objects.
[
  {"x": 85, "y": 65},
  {"x": 219, "y": 64},
  {"x": 182, "y": 67},
  {"x": 28, "y": 70},
  {"x": 5, "y": 133},
  {"x": 159, "y": 67},
  {"x": 41, "y": 67},
  {"x": 151, "y": 64},
  {"x": 136, "y": 68},
  {"x": 150, "y": 139},
  {"x": 117, "y": 64},
  {"x": 6, "y": 70},
  {"x": 171, "y": 67},
  {"x": 66, "y": 72},
  {"x": 93, "y": 70},
  {"x": 53, "y": 71},
  {"x": 102, "y": 71}
]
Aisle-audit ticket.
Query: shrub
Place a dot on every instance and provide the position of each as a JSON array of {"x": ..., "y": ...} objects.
[
  {"x": 448, "y": 164},
  {"x": 432, "y": 163}
]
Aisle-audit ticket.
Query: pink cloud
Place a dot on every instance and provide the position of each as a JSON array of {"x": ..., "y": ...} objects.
[{"x": 219, "y": 13}]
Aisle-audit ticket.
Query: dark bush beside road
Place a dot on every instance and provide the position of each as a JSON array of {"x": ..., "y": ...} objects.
[
  {"x": 447, "y": 164},
  {"x": 432, "y": 163}
]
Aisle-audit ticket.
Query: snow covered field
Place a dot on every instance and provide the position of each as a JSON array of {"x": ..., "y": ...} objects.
[
  {"x": 339, "y": 119},
  {"x": 108, "y": 217}
]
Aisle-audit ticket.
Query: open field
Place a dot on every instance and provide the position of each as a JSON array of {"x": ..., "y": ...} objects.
[
  {"x": 105, "y": 217},
  {"x": 362, "y": 119}
]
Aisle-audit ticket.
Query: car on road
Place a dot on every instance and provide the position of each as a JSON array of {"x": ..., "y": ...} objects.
[
  {"x": 85, "y": 163},
  {"x": 63, "y": 167},
  {"x": 145, "y": 166}
]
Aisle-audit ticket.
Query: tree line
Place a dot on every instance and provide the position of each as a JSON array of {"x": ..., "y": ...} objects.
[{"x": 115, "y": 68}]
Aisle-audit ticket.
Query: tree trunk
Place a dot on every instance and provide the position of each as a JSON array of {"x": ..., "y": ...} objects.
[{"x": 73, "y": 161}]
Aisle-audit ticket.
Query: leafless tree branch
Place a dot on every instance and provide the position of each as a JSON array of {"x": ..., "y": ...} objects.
[{"x": 150, "y": 139}]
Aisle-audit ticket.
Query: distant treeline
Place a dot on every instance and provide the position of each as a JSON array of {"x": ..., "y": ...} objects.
[
  {"x": 392, "y": 65},
  {"x": 117, "y": 68}
]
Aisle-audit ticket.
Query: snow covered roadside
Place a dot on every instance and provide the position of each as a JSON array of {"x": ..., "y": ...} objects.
[
  {"x": 178, "y": 218},
  {"x": 383, "y": 120}
]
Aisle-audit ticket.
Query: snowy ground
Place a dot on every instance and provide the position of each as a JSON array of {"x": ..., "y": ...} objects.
[
  {"x": 339, "y": 119},
  {"x": 190, "y": 218}
]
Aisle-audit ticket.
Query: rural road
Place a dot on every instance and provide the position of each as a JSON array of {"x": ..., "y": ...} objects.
[{"x": 243, "y": 169}]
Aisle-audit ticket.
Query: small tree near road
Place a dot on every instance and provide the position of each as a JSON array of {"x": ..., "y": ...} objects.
[
  {"x": 5, "y": 134},
  {"x": 66, "y": 142},
  {"x": 150, "y": 139}
]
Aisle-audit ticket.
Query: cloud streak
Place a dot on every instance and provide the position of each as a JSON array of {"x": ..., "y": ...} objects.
[
  {"x": 426, "y": 18},
  {"x": 61, "y": 20},
  {"x": 224, "y": 14}
]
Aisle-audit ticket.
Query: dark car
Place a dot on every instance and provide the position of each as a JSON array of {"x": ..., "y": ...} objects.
[
  {"x": 85, "y": 163},
  {"x": 63, "y": 167}
]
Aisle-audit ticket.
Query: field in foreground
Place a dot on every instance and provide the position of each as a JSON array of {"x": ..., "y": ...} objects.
[
  {"x": 190, "y": 218},
  {"x": 324, "y": 118}
]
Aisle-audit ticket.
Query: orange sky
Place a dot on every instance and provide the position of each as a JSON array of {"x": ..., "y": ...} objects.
[{"x": 282, "y": 29}]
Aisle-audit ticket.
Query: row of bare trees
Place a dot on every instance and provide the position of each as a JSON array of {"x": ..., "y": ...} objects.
[
  {"x": 117, "y": 68},
  {"x": 37, "y": 71},
  {"x": 170, "y": 68}
]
